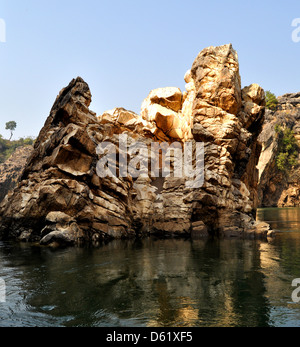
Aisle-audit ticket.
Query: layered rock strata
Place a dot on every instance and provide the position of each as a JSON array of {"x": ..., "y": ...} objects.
[{"x": 186, "y": 166}]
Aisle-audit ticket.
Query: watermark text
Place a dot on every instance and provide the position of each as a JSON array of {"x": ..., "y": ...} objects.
[
  {"x": 296, "y": 292},
  {"x": 2, "y": 30},
  {"x": 296, "y": 31},
  {"x": 138, "y": 159}
]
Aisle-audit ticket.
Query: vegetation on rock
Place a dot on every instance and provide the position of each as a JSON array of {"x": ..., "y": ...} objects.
[
  {"x": 288, "y": 149},
  {"x": 7, "y": 148},
  {"x": 271, "y": 101}
]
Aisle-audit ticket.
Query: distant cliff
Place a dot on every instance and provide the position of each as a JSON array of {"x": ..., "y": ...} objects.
[
  {"x": 276, "y": 187},
  {"x": 11, "y": 169},
  {"x": 63, "y": 198}
]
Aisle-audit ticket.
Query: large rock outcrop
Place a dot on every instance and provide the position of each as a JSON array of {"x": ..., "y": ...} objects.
[
  {"x": 74, "y": 189},
  {"x": 277, "y": 188}
]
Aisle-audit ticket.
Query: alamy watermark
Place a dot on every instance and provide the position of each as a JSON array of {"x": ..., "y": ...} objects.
[
  {"x": 2, "y": 291},
  {"x": 2, "y": 30},
  {"x": 296, "y": 292},
  {"x": 128, "y": 158},
  {"x": 296, "y": 31}
]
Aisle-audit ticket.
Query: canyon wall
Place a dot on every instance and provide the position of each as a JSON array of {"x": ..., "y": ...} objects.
[{"x": 277, "y": 188}]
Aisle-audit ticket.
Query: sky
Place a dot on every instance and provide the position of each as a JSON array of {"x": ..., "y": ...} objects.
[{"x": 125, "y": 48}]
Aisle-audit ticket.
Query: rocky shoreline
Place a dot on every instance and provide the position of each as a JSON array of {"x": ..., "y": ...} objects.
[{"x": 63, "y": 197}]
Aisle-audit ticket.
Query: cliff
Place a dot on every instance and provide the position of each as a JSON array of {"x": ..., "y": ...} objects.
[
  {"x": 11, "y": 169},
  {"x": 186, "y": 166},
  {"x": 277, "y": 188}
]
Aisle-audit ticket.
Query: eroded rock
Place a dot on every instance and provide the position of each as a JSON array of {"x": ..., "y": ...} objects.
[{"x": 64, "y": 197}]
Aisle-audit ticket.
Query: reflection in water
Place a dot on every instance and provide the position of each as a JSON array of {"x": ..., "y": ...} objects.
[
  {"x": 154, "y": 283},
  {"x": 281, "y": 219},
  {"x": 280, "y": 261},
  {"x": 146, "y": 283}
]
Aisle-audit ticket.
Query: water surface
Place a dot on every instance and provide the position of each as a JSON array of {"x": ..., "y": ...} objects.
[{"x": 157, "y": 283}]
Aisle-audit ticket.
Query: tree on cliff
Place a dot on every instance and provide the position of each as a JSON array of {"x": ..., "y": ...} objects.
[
  {"x": 287, "y": 156},
  {"x": 12, "y": 127},
  {"x": 271, "y": 101}
]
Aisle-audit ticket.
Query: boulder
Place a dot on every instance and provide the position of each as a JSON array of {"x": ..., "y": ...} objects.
[
  {"x": 163, "y": 110},
  {"x": 170, "y": 98}
]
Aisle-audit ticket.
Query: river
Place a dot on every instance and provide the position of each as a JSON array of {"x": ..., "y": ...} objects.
[{"x": 156, "y": 283}]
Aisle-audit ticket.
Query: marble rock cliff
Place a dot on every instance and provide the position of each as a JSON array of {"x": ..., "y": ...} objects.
[
  {"x": 277, "y": 188},
  {"x": 63, "y": 196}
]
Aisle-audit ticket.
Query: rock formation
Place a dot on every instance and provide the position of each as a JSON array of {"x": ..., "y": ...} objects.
[
  {"x": 276, "y": 188},
  {"x": 11, "y": 170},
  {"x": 97, "y": 178}
]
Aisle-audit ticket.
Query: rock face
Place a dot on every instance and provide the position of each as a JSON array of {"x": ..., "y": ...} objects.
[
  {"x": 276, "y": 189},
  {"x": 228, "y": 120},
  {"x": 11, "y": 170},
  {"x": 185, "y": 167}
]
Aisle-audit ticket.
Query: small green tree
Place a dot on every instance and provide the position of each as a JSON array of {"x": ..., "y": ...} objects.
[
  {"x": 271, "y": 101},
  {"x": 12, "y": 127},
  {"x": 287, "y": 155}
]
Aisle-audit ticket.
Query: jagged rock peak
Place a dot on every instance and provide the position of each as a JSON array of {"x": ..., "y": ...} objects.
[
  {"x": 78, "y": 88},
  {"x": 72, "y": 103}
]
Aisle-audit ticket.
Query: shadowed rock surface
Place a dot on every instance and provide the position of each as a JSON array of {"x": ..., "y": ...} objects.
[
  {"x": 277, "y": 188},
  {"x": 63, "y": 199}
]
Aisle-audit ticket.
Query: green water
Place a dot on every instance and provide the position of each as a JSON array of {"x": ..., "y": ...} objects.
[{"x": 166, "y": 283}]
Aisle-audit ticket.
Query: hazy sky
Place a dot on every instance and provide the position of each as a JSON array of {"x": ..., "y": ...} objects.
[{"x": 125, "y": 48}]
